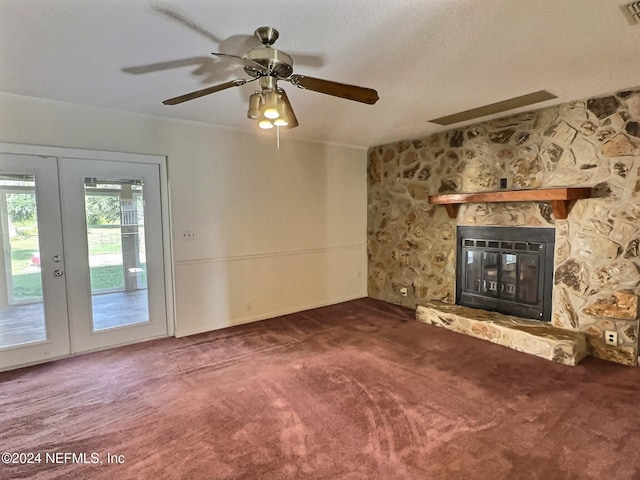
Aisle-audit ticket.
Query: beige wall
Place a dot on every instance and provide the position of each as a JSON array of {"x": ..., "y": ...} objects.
[{"x": 277, "y": 231}]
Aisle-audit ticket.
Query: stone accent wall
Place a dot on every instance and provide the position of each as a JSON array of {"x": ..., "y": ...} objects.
[{"x": 590, "y": 143}]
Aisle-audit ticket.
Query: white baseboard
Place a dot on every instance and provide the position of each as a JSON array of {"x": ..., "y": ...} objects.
[{"x": 265, "y": 316}]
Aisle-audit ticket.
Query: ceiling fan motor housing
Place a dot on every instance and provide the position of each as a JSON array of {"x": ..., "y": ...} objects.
[{"x": 275, "y": 61}]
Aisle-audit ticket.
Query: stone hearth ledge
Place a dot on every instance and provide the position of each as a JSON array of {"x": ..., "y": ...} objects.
[{"x": 528, "y": 336}]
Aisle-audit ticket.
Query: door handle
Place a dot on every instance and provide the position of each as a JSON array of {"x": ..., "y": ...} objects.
[{"x": 58, "y": 273}]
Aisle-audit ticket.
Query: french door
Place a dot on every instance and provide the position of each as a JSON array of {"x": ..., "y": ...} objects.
[{"x": 82, "y": 264}]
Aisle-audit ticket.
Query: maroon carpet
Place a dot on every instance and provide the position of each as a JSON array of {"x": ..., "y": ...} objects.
[{"x": 358, "y": 390}]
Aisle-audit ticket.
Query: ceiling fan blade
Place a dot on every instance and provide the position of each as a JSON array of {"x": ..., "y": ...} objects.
[
  {"x": 293, "y": 121},
  {"x": 342, "y": 90},
  {"x": 205, "y": 91},
  {"x": 180, "y": 18},
  {"x": 307, "y": 59},
  {"x": 245, "y": 61},
  {"x": 205, "y": 64}
]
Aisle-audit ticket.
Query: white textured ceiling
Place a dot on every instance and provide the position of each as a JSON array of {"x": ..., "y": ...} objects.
[{"x": 426, "y": 58}]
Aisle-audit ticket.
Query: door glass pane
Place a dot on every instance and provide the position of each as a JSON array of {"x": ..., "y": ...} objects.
[
  {"x": 473, "y": 269},
  {"x": 528, "y": 278},
  {"x": 508, "y": 278},
  {"x": 22, "y": 318},
  {"x": 490, "y": 273},
  {"x": 117, "y": 261}
]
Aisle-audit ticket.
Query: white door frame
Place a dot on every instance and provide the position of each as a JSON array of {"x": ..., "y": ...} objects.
[
  {"x": 54, "y": 290},
  {"x": 161, "y": 161},
  {"x": 73, "y": 176}
]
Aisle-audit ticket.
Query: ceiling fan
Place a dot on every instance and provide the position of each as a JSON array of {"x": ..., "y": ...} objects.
[{"x": 270, "y": 105}]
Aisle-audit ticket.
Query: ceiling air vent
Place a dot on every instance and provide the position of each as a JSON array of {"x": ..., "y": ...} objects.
[{"x": 632, "y": 12}]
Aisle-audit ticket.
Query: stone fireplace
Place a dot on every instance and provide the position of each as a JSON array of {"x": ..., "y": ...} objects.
[
  {"x": 591, "y": 143},
  {"x": 506, "y": 269}
]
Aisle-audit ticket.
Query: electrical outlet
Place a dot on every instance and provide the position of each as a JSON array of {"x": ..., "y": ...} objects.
[
  {"x": 403, "y": 291},
  {"x": 611, "y": 337},
  {"x": 249, "y": 307},
  {"x": 188, "y": 235}
]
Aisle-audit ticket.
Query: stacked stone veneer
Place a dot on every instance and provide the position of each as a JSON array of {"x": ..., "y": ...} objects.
[
  {"x": 535, "y": 338},
  {"x": 591, "y": 143}
]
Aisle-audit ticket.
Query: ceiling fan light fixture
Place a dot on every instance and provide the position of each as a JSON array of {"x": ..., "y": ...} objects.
[
  {"x": 265, "y": 124},
  {"x": 255, "y": 102},
  {"x": 271, "y": 113},
  {"x": 282, "y": 120},
  {"x": 271, "y": 106}
]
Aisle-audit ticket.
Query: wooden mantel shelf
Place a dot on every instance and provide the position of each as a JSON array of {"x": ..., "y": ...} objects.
[{"x": 560, "y": 198}]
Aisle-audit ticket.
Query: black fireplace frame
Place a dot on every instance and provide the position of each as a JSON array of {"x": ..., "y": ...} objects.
[{"x": 531, "y": 241}]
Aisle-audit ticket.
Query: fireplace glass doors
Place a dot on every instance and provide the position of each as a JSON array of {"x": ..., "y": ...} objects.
[{"x": 506, "y": 269}]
